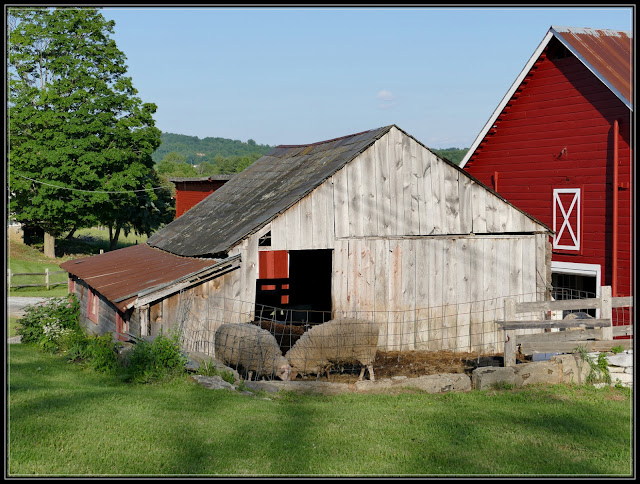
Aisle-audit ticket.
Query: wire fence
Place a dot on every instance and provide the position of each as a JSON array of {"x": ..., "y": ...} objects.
[{"x": 462, "y": 328}]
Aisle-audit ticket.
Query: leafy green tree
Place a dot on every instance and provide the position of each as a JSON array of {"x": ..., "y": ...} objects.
[
  {"x": 80, "y": 140},
  {"x": 174, "y": 164},
  {"x": 142, "y": 211}
]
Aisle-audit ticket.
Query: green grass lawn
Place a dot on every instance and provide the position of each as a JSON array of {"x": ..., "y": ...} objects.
[{"x": 66, "y": 420}]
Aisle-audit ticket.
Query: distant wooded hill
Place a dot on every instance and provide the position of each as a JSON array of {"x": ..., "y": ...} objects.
[
  {"x": 195, "y": 150},
  {"x": 454, "y": 155}
]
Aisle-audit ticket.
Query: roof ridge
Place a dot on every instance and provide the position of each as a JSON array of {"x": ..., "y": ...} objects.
[{"x": 335, "y": 139}]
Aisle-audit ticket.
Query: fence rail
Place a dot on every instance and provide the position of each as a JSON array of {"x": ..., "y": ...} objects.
[
  {"x": 594, "y": 334},
  {"x": 47, "y": 279}
]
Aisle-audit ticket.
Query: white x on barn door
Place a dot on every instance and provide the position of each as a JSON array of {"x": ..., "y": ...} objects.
[{"x": 566, "y": 218}]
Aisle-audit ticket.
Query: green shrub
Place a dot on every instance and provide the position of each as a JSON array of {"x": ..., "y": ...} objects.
[
  {"x": 102, "y": 353},
  {"x": 158, "y": 360},
  {"x": 617, "y": 349},
  {"x": 51, "y": 323}
]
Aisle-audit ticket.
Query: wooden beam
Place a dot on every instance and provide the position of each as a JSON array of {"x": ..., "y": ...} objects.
[
  {"x": 570, "y": 346},
  {"x": 570, "y": 323}
]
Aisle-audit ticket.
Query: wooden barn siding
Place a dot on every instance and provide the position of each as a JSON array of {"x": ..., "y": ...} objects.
[
  {"x": 564, "y": 105},
  {"x": 394, "y": 188},
  {"x": 437, "y": 293},
  {"x": 106, "y": 313}
]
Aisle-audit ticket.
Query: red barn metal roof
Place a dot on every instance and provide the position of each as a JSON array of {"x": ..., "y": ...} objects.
[
  {"x": 607, "y": 53},
  {"x": 122, "y": 274}
]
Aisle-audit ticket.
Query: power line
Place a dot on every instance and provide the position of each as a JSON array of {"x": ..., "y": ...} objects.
[{"x": 92, "y": 191}]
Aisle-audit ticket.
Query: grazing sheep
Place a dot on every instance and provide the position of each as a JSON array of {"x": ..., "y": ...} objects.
[
  {"x": 251, "y": 347},
  {"x": 344, "y": 341}
]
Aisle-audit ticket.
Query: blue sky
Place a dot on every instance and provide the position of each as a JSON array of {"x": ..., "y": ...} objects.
[{"x": 301, "y": 75}]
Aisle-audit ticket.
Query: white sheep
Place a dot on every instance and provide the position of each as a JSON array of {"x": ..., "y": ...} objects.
[
  {"x": 345, "y": 341},
  {"x": 253, "y": 348}
]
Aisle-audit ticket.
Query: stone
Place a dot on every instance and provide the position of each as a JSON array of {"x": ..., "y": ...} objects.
[
  {"x": 485, "y": 377},
  {"x": 212, "y": 382},
  {"x": 573, "y": 369},
  {"x": 621, "y": 359},
  {"x": 539, "y": 372}
]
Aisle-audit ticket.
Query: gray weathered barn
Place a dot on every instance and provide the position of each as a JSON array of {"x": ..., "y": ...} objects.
[{"x": 373, "y": 225}]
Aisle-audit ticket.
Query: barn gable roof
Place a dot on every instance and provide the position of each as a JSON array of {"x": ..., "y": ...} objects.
[
  {"x": 252, "y": 198},
  {"x": 606, "y": 53}
]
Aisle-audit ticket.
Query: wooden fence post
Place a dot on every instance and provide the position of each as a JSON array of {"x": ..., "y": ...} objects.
[
  {"x": 46, "y": 277},
  {"x": 606, "y": 312},
  {"x": 510, "y": 334}
]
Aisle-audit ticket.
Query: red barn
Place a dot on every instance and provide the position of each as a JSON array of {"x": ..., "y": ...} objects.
[
  {"x": 558, "y": 146},
  {"x": 190, "y": 191}
]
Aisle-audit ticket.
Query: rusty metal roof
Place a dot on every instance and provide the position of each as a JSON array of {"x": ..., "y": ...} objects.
[
  {"x": 252, "y": 198},
  {"x": 122, "y": 274},
  {"x": 607, "y": 53}
]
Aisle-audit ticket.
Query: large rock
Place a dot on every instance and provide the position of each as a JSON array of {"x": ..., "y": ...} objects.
[
  {"x": 440, "y": 383},
  {"x": 621, "y": 359},
  {"x": 573, "y": 369},
  {"x": 486, "y": 377},
  {"x": 538, "y": 372}
]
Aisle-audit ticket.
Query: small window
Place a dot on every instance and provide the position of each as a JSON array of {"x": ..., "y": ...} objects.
[
  {"x": 92, "y": 306},
  {"x": 265, "y": 240}
]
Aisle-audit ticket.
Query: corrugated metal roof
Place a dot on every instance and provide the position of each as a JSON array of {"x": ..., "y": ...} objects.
[
  {"x": 607, "y": 53},
  {"x": 124, "y": 273},
  {"x": 255, "y": 196}
]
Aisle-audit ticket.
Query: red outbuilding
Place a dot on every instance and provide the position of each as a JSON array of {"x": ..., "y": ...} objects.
[
  {"x": 558, "y": 146},
  {"x": 190, "y": 191}
]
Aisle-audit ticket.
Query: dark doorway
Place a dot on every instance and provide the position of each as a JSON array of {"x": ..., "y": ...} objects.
[{"x": 310, "y": 281}]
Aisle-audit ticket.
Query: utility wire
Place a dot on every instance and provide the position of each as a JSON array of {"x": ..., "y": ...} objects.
[{"x": 92, "y": 191}]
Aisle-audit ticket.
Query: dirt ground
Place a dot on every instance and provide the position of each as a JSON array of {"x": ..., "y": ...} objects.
[{"x": 413, "y": 364}]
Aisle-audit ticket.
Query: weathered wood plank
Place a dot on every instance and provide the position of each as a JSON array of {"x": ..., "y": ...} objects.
[
  {"x": 568, "y": 323},
  {"x": 412, "y": 215},
  {"x": 479, "y": 208},
  {"x": 422, "y": 296},
  {"x": 354, "y": 178},
  {"x": 560, "y": 336},
  {"x": 465, "y": 207},
  {"x": 526, "y": 307},
  {"x": 408, "y": 298},
  {"x": 463, "y": 276},
  {"x": 383, "y": 194},
  {"x": 424, "y": 192},
  {"x": 452, "y": 200},
  {"x": 341, "y": 203},
  {"x": 449, "y": 294},
  {"x": 381, "y": 290},
  {"x": 369, "y": 180},
  {"x": 476, "y": 292},
  {"x": 569, "y": 347},
  {"x": 395, "y": 295},
  {"x": 438, "y": 194},
  {"x": 622, "y": 302},
  {"x": 397, "y": 171}
]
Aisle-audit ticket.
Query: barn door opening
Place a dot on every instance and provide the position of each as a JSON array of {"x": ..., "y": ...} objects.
[
  {"x": 297, "y": 282},
  {"x": 310, "y": 279},
  {"x": 575, "y": 281}
]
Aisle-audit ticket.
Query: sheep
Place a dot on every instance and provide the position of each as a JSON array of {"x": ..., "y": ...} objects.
[
  {"x": 344, "y": 341},
  {"x": 251, "y": 347}
]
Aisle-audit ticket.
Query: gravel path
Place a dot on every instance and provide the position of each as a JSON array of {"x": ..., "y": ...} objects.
[{"x": 15, "y": 308}]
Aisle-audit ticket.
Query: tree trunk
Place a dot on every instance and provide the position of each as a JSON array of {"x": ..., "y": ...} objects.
[
  {"x": 70, "y": 234},
  {"x": 49, "y": 245},
  {"x": 113, "y": 241}
]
